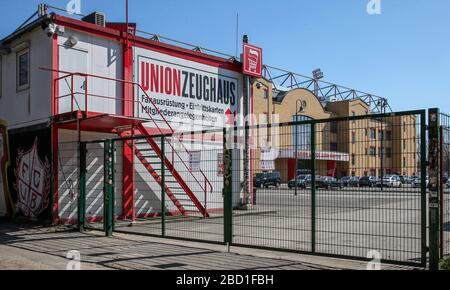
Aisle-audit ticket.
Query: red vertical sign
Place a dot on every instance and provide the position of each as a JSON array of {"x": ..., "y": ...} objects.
[{"x": 252, "y": 60}]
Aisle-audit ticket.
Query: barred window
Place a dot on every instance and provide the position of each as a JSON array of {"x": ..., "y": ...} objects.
[{"x": 23, "y": 69}]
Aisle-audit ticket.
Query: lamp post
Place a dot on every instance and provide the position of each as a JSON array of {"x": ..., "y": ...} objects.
[
  {"x": 298, "y": 109},
  {"x": 383, "y": 104},
  {"x": 317, "y": 75}
]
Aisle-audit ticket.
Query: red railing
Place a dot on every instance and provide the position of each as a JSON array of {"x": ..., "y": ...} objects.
[{"x": 87, "y": 95}]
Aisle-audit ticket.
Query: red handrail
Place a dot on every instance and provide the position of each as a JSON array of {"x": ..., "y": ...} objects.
[{"x": 85, "y": 75}]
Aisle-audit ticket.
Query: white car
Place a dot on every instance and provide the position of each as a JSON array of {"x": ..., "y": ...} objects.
[
  {"x": 417, "y": 182},
  {"x": 391, "y": 181}
]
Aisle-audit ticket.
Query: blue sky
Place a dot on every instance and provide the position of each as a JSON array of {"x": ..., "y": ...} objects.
[{"x": 402, "y": 54}]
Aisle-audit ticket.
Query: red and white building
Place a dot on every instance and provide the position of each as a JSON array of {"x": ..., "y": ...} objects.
[{"x": 65, "y": 80}]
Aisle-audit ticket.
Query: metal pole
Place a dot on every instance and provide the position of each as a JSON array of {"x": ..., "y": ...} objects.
[
  {"x": 82, "y": 189},
  {"x": 423, "y": 189},
  {"x": 108, "y": 191},
  {"x": 246, "y": 112},
  {"x": 227, "y": 191},
  {"x": 433, "y": 156},
  {"x": 163, "y": 188},
  {"x": 313, "y": 187},
  {"x": 441, "y": 192},
  {"x": 383, "y": 109},
  {"x": 296, "y": 147}
]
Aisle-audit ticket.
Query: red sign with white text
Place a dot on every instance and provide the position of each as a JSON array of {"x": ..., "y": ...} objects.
[{"x": 252, "y": 60}]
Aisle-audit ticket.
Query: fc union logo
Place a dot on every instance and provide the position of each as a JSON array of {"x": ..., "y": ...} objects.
[{"x": 32, "y": 182}]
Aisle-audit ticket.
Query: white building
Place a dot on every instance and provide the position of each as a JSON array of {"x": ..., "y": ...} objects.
[{"x": 65, "y": 80}]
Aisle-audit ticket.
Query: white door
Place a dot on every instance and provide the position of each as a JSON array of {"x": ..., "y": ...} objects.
[{"x": 72, "y": 60}]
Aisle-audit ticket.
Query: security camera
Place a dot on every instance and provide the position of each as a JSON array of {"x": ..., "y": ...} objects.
[{"x": 50, "y": 30}]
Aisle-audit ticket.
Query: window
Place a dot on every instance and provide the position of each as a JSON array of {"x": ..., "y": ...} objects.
[
  {"x": 23, "y": 69},
  {"x": 302, "y": 133},
  {"x": 381, "y": 134},
  {"x": 333, "y": 127},
  {"x": 373, "y": 134},
  {"x": 353, "y": 159},
  {"x": 373, "y": 151},
  {"x": 333, "y": 147},
  {"x": 266, "y": 93},
  {"x": 404, "y": 144},
  {"x": 388, "y": 152},
  {"x": 388, "y": 135},
  {"x": 353, "y": 138},
  {"x": 404, "y": 162}
]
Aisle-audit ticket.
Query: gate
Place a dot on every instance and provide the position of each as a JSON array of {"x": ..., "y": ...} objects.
[
  {"x": 177, "y": 184},
  {"x": 352, "y": 187},
  {"x": 97, "y": 198}
]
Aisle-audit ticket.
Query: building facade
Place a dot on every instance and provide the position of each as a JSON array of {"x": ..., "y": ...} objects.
[{"x": 364, "y": 147}]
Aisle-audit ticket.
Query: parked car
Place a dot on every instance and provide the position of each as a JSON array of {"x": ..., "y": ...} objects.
[
  {"x": 350, "y": 181},
  {"x": 410, "y": 179},
  {"x": 328, "y": 182},
  {"x": 417, "y": 182},
  {"x": 368, "y": 181},
  {"x": 403, "y": 179},
  {"x": 267, "y": 179},
  {"x": 390, "y": 181},
  {"x": 302, "y": 181}
]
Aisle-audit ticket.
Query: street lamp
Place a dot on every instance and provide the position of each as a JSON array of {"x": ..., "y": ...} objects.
[
  {"x": 317, "y": 75},
  {"x": 382, "y": 103},
  {"x": 298, "y": 109}
]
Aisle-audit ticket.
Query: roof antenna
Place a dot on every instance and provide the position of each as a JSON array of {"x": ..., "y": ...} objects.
[{"x": 237, "y": 33}]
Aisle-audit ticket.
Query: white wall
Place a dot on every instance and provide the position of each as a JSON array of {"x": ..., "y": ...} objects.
[
  {"x": 96, "y": 56},
  {"x": 34, "y": 103}
]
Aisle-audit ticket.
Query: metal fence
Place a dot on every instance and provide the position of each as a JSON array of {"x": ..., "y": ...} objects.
[
  {"x": 340, "y": 196},
  {"x": 445, "y": 186},
  {"x": 345, "y": 187}
]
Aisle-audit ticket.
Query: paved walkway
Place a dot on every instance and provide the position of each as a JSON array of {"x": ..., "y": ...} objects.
[{"x": 34, "y": 247}]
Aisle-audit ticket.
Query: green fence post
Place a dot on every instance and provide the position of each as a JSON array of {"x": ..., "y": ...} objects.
[
  {"x": 82, "y": 188},
  {"x": 163, "y": 188},
  {"x": 227, "y": 192},
  {"x": 313, "y": 187},
  {"x": 433, "y": 172},
  {"x": 108, "y": 192},
  {"x": 113, "y": 185},
  {"x": 423, "y": 177}
]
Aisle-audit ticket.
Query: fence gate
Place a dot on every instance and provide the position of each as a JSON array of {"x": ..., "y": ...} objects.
[
  {"x": 96, "y": 200},
  {"x": 177, "y": 186}
]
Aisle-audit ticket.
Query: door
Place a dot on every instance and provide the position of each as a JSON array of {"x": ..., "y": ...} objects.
[{"x": 72, "y": 60}]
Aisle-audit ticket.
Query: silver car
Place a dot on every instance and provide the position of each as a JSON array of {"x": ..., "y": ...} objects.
[{"x": 390, "y": 181}]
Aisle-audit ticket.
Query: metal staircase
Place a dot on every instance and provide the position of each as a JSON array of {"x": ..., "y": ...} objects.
[{"x": 148, "y": 152}]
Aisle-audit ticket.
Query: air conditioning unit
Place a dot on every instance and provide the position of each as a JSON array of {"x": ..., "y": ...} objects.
[{"x": 96, "y": 18}]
